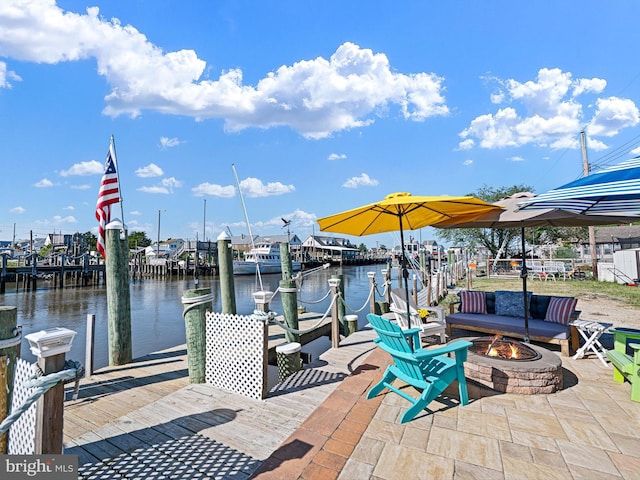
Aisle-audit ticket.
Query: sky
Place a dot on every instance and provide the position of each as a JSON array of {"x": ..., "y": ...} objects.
[{"x": 320, "y": 106}]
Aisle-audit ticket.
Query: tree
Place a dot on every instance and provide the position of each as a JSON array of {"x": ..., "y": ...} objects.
[
  {"x": 90, "y": 241},
  {"x": 138, "y": 240},
  {"x": 501, "y": 239},
  {"x": 363, "y": 248},
  {"x": 491, "y": 238}
]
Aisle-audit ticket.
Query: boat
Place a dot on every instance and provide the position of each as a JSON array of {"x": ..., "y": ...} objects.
[{"x": 263, "y": 257}]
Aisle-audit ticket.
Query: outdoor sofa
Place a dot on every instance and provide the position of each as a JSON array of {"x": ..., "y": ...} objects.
[{"x": 502, "y": 313}]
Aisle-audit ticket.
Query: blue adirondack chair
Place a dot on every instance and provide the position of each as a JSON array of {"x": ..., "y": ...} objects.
[{"x": 428, "y": 371}]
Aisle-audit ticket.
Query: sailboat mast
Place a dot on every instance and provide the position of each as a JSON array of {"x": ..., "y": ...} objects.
[{"x": 246, "y": 218}]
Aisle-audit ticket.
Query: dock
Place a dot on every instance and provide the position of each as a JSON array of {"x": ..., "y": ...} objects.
[{"x": 145, "y": 417}]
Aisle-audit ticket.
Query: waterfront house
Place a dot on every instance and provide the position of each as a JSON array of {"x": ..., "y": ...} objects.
[{"x": 319, "y": 248}]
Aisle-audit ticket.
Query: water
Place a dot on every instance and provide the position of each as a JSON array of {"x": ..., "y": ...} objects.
[{"x": 156, "y": 307}]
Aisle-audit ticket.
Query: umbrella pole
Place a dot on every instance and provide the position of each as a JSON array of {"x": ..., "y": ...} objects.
[
  {"x": 405, "y": 273},
  {"x": 523, "y": 275}
]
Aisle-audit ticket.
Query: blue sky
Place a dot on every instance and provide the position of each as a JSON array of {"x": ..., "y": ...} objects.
[{"x": 321, "y": 106}]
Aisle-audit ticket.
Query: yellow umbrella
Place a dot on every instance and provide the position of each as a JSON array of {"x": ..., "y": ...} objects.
[{"x": 400, "y": 211}]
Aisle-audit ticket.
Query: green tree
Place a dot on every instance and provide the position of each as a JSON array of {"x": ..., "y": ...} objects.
[
  {"x": 507, "y": 240},
  {"x": 363, "y": 248},
  {"x": 90, "y": 241},
  {"x": 138, "y": 240},
  {"x": 494, "y": 239}
]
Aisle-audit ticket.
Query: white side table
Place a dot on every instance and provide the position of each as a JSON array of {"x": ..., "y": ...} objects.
[{"x": 591, "y": 332}]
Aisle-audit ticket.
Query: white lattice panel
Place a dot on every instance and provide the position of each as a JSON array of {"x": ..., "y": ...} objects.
[
  {"x": 236, "y": 354},
  {"x": 22, "y": 433}
]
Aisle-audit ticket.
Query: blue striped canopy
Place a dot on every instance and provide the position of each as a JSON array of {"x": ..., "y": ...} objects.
[{"x": 614, "y": 189}]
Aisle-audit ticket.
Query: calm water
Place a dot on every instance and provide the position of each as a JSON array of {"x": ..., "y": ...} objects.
[{"x": 156, "y": 307}]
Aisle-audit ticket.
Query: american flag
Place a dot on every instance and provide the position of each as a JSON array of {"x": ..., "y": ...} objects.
[{"x": 108, "y": 195}]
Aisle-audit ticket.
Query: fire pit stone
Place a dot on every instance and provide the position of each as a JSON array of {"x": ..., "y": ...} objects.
[{"x": 539, "y": 376}]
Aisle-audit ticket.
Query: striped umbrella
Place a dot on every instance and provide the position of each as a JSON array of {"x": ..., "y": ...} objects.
[{"x": 614, "y": 189}]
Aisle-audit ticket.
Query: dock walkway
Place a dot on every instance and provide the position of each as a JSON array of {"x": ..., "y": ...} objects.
[{"x": 144, "y": 420}]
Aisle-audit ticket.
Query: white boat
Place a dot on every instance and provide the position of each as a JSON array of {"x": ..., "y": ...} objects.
[{"x": 266, "y": 257}]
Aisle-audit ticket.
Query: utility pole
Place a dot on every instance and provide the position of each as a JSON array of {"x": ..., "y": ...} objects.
[
  {"x": 592, "y": 230},
  {"x": 158, "y": 250},
  {"x": 204, "y": 222}
]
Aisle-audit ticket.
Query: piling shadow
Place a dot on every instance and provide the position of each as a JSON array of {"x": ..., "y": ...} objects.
[
  {"x": 288, "y": 452},
  {"x": 174, "y": 449},
  {"x": 304, "y": 379}
]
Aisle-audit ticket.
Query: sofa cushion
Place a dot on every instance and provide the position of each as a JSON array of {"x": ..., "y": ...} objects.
[
  {"x": 538, "y": 306},
  {"x": 560, "y": 309},
  {"x": 511, "y": 304},
  {"x": 473, "y": 302},
  {"x": 538, "y": 328}
]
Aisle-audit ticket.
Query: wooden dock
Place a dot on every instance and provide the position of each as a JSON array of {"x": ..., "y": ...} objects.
[{"x": 144, "y": 420}]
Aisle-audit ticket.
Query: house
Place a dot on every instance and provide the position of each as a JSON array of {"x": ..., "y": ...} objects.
[
  {"x": 59, "y": 241},
  {"x": 332, "y": 249},
  {"x": 610, "y": 240}
]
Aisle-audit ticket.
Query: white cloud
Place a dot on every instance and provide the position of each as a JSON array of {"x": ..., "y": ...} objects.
[
  {"x": 584, "y": 85},
  {"x": 212, "y": 190},
  {"x": 315, "y": 97},
  {"x": 57, "y": 219},
  {"x": 516, "y": 158},
  {"x": 468, "y": 162},
  {"x": 612, "y": 115},
  {"x": 154, "y": 189},
  {"x": 135, "y": 213},
  {"x": 253, "y": 187},
  {"x": 466, "y": 144},
  {"x": 337, "y": 156},
  {"x": 546, "y": 112},
  {"x": 18, "y": 210},
  {"x": 166, "y": 142},
  {"x": 362, "y": 181},
  {"x": 6, "y": 75},
  {"x": 171, "y": 183},
  {"x": 44, "y": 183},
  {"x": 81, "y": 187},
  {"x": 635, "y": 152},
  {"x": 91, "y": 167},
  {"x": 69, "y": 207},
  {"x": 151, "y": 170}
]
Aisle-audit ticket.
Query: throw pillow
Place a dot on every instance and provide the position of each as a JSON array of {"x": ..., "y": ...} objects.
[
  {"x": 473, "y": 302},
  {"x": 511, "y": 304},
  {"x": 560, "y": 309}
]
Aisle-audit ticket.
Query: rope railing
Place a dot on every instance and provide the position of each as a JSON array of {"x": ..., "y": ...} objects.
[
  {"x": 316, "y": 301},
  {"x": 366, "y": 302},
  {"x": 194, "y": 302},
  {"x": 299, "y": 332},
  {"x": 41, "y": 384},
  {"x": 12, "y": 341}
]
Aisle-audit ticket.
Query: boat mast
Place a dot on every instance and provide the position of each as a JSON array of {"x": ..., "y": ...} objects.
[{"x": 246, "y": 218}]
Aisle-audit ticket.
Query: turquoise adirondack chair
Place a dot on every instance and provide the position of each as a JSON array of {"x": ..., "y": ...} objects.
[{"x": 428, "y": 371}]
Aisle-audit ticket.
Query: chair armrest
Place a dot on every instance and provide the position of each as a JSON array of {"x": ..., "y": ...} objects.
[
  {"x": 623, "y": 332},
  {"x": 452, "y": 309},
  {"x": 451, "y": 347}
]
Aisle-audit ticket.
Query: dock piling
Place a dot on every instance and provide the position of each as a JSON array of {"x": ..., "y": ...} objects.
[{"x": 118, "y": 295}]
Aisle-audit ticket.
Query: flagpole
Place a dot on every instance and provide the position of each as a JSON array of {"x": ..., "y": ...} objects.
[{"x": 115, "y": 160}]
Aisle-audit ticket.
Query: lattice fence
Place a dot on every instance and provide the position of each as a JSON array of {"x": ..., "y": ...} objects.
[
  {"x": 22, "y": 433},
  {"x": 237, "y": 354}
]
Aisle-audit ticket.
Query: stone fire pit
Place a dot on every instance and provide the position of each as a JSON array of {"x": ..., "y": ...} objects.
[{"x": 542, "y": 375}]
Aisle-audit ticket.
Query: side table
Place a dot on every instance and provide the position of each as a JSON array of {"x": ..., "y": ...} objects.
[{"x": 591, "y": 332}]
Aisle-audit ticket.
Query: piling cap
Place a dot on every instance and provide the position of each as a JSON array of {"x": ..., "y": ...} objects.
[
  {"x": 115, "y": 224},
  {"x": 223, "y": 236},
  {"x": 288, "y": 348}
]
